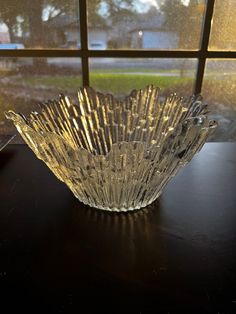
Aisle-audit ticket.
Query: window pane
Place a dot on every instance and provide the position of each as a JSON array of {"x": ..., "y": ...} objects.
[
  {"x": 223, "y": 33},
  {"x": 39, "y": 24},
  {"x": 24, "y": 82},
  {"x": 140, "y": 24},
  {"x": 219, "y": 90},
  {"x": 120, "y": 76}
]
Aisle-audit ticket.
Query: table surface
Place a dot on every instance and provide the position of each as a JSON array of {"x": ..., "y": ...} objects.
[{"x": 177, "y": 254}]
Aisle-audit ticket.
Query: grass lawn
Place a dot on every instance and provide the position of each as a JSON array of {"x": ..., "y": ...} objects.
[
  {"x": 120, "y": 83},
  {"x": 123, "y": 83},
  {"x": 139, "y": 70},
  {"x": 69, "y": 82},
  {"x": 117, "y": 83},
  {"x": 220, "y": 89},
  {"x": 217, "y": 90},
  {"x": 216, "y": 86},
  {"x": 108, "y": 82}
]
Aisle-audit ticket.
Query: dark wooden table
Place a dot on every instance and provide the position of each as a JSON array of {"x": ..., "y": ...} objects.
[{"x": 178, "y": 254}]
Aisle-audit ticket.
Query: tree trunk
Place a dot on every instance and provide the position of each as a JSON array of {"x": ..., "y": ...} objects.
[
  {"x": 10, "y": 31},
  {"x": 35, "y": 23},
  {"x": 36, "y": 39}
]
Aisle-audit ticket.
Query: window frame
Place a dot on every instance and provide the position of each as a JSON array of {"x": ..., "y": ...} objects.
[{"x": 84, "y": 53}]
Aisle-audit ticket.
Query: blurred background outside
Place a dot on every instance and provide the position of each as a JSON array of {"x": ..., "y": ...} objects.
[{"x": 116, "y": 25}]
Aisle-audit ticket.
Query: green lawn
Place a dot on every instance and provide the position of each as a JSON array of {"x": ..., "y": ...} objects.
[
  {"x": 117, "y": 83},
  {"x": 123, "y": 83},
  {"x": 58, "y": 81},
  {"x": 138, "y": 70},
  {"x": 218, "y": 89},
  {"x": 120, "y": 84}
]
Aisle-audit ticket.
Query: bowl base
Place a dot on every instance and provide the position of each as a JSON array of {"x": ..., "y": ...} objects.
[{"x": 121, "y": 209}]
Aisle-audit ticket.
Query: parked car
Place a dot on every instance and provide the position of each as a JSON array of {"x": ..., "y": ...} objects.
[
  {"x": 12, "y": 46},
  {"x": 97, "y": 45}
]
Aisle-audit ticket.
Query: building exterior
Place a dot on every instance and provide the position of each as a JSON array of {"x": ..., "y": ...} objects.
[
  {"x": 151, "y": 34},
  {"x": 64, "y": 31},
  {"x": 4, "y": 37}
]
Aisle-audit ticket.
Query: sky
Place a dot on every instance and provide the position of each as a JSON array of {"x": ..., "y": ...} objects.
[
  {"x": 146, "y": 4},
  {"x": 3, "y": 28}
]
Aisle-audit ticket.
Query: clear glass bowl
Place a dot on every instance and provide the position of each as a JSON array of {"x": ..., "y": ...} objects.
[{"x": 113, "y": 154}]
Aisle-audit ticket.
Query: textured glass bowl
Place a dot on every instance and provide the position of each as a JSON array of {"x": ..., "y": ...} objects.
[{"x": 116, "y": 155}]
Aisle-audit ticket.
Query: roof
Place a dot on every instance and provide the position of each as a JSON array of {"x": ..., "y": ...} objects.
[{"x": 64, "y": 20}]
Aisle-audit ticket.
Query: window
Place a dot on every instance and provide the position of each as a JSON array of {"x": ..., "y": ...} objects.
[{"x": 53, "y": 46}]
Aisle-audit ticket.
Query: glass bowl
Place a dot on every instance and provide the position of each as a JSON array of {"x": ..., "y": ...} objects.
[{"x": 116, "y": 155}]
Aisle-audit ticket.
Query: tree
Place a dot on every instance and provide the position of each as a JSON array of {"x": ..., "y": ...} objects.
[
  {"x": 115, "y": 10},
  {"x": 34, "y": 14},
  {"x": 31, "y": 14},
  {"x": 185, "y": 20},
  {"x": 8, "y": 14}
]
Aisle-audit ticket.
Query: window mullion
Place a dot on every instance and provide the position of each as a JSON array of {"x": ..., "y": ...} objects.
[
  {"x": 84, "y": 41},
  {"x": 204, "y": 46}
]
